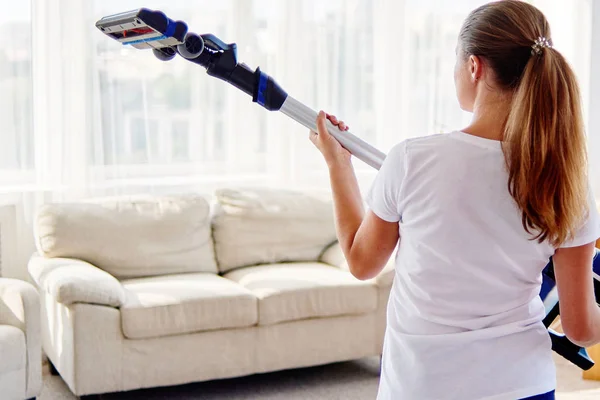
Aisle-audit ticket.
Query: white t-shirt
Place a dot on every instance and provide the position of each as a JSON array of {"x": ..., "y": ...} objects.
[{"x": 464, "y": 318}]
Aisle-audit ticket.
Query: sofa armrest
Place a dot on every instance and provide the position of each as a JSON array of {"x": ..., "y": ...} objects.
[
  {"x": 19, "y": 303},
  {"x": 333, "y": 255},
  {"x": 20, "y": 307},
  {"x": 70, "y": 281}
]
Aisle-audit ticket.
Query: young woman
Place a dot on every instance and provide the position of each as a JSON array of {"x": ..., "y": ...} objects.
[{"x": 478, "y": 213}]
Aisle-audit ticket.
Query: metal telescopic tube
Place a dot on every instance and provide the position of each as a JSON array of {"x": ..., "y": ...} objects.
[{"x": 358, "y": 147}]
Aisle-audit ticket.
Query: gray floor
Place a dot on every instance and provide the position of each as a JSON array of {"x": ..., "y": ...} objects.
[{"x": 354, "y": 380}]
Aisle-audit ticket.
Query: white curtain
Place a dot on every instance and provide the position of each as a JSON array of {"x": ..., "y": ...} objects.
[{"x": 83, "y": 116}]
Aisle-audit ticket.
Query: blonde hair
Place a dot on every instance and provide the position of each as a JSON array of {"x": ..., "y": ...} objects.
[{"x": 544, "y": 140}]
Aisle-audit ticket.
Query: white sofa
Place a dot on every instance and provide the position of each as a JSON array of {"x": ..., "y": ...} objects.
[
  {"x": 20, "y": 341},
  {"x": 148, "y": 292}
]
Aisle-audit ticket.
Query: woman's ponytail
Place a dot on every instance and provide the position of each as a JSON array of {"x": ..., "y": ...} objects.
[{"x": 544, "y": 147}]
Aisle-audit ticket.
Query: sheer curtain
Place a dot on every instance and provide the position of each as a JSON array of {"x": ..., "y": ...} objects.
[
  {"x": 83, "y": 116},
  {"x": 110, "y": 119},
  {"x": 16, "y": 134}
]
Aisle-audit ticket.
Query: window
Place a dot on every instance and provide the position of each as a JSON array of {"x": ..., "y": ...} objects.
[
  {"x": 16, "y": 108},
  {"x": 180, "y": 151}
]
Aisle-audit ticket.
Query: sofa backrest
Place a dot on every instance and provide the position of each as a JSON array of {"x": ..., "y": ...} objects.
[
  {"x": 259, "y": 226},
  {"x": 131, "y": 237}
]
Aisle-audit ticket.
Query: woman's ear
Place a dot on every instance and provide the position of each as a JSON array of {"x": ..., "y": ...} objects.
[{"x": 475, "y": 68}]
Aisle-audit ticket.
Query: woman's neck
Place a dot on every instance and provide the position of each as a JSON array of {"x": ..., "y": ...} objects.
[{"x": 489, "y": 117}]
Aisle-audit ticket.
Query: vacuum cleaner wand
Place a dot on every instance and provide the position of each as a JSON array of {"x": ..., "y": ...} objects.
[{"x": 148, "y": 29}]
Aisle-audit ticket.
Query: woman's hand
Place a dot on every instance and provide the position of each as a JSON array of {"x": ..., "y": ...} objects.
[{"x": 331, "y": 149}]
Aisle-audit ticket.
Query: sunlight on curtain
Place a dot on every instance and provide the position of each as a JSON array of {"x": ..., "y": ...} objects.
[
  {"x": 16, "y": 132},
  {"x": 111, "y": 119}
]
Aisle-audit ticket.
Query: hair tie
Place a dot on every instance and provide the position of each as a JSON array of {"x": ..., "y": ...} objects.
[{"x": 540, "y": 43}]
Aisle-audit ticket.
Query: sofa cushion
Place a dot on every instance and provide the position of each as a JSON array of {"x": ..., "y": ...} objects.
[
  {"x": 262, "y": 226},
  {"x": 295, "y": 291},
  {"x": 184, "y": 303},
  {"x": 13, "y": 352},
  {"x": 131, "y": 237}
]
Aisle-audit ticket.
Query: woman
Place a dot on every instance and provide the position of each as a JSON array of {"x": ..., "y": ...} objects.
[{"x": 478, "y": 213}]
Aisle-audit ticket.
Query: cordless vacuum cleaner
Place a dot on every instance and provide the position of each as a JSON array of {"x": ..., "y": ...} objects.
[{"x": 148, "y": 29}]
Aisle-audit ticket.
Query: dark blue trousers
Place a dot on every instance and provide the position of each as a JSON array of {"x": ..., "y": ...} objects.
[{"x": 545, "y": 396}]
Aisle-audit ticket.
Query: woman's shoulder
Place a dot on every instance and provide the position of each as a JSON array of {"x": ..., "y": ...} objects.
[
  {"x": 412, "y": 147},
  {"x": 420, "y": 142}
]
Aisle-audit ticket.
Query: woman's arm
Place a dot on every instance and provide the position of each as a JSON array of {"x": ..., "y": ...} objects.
[
  {"x": 579, "y": 313},
  {"x": 367, "y": 242}
]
